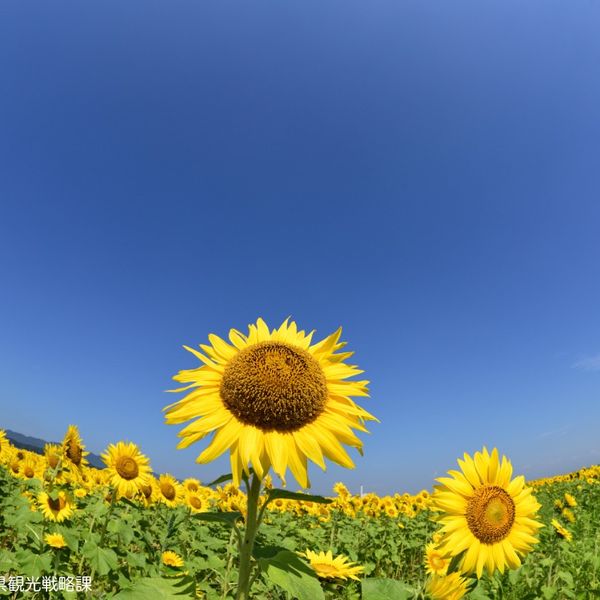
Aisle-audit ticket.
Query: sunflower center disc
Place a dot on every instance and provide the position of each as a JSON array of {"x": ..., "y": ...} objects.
[
  {"x": 126, "y": 467},
  {"x": 168, "y": 491},
  {"x": 74, "y": 452},
  {"x": 490, "y": 514},
  {"x": 53, "y": 461},
  {"x": 56, "y": 505},
  {"x": 274, "y": 386},
  {"x": 195, "y": 502}
]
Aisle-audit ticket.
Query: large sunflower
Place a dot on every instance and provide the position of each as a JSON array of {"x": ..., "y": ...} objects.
[
  {"x": 486, "y": 514},
  {"x": 128, "y": 469},
  {"x": 272, "y": 398}
]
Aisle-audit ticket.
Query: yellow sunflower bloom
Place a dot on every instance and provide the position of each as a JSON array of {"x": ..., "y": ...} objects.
[
  {"x": 55, "y": 510},
  {"x": 324, "y": 565},
  {"x": 486, "y": 514},
  {"x": 272, "y": 398},
  {"x": 127, "y": 468},
  {"x": 55, "y": 540},
  {"x": 562, "y": 531},
  {"x": 570, "y": 500},
  {"x": 171, "y": 559},
  {"x": 436, "y": 562},
  {"x": 447, "y": 587},
  {"x": 5, "y": 446},
  {"x": 53, "y": 455},
  {"x": 73, "y": 449},
  {"x": 196, "y": 502},
  {"x": 191, "y": 485},
  {"x": 170, "y": 491}
]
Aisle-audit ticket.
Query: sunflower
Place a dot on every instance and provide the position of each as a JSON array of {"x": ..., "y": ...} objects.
[
  {"x": 57, "y": 509},
  {"x": 191, "y": 485},
  {"x": 73, "y": 449},
  {"x": 447, "y": 587},
  {"x": 170, "y": 491},
  {"x": 127, "y": 468},
  {"x": 171, "y": 559},
  {"x": 436, "y": 562},
  {"x": 196, "y": 502},
  {"x": 56, "y": 540},
  {"x": 562, "y": 531},
  {"x": 272, "y": 398},
  {"x": 4, "y": 446},
  {"x": 53, "y": 455},
  {"x": 29, "y": 468},
  {"x": 485, "y": 514},
  {"x": 570, "y": 500},
  {"x": 324, "y": 565}
]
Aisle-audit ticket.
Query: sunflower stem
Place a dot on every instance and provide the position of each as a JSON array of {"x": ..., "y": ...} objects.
[{"x": 247, "y": 543}]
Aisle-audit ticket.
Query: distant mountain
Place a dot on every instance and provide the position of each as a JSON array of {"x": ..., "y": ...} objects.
[{"x": 26, "y": 442}]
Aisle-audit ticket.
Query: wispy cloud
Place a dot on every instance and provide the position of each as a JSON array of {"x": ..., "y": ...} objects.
[{"x": 590, "y": 363}]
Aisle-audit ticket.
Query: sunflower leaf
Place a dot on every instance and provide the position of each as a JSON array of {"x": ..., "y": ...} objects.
[
  {"x": 455, "y": 562},
  {"x": 288, "y": 571},
  {"x": 228, "y": 477},
  {"x": 385, "y": 589},
  {"x": 277, "y": 494},
  {"x": 158, "y": 588},
  {"x": 229, "y": 518}
]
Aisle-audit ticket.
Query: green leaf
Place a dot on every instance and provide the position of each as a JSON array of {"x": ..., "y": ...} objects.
[
  {"x": 455, "y": 562},
  {"x": 385, "y": 589},
  {"x": 159, "y": 588},
  {"x": 33, "y": 565},
  {"x": 223, "y": 517},
  {"x": 276, "y": 494},
  {"x": 287, "y": 570},
  {"x": 8, "y": 561},
  {"x": 102, "y": 560},
  {"x": 566, "y": 577},
  {"x": 549, "y": 591}
]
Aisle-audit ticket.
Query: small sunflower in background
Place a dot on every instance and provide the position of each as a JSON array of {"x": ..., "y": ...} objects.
[
  {"x": 5, "y": 446},
  {"x": 485, "y": 514},
  {"x": 570, "y": 500},
  {"x": 563, "y": 532},
  {"x": 53, "y": 455},
  {"x": 55, "y": 509},
  {"x": 272, "y": 398},
  {"x": 74, "y": 451},
  {"x": 447, "y": 587},
  {"x": 436, "y": 562},
  {"x": 127, "y": 468},
  {"x": 191, "y": 484},
  {"x": 328, "y": 567},
  {"x": 170, "y": 490},
  {"x": 55, "y": 540},
  {"x": 171, "y": 559},
  {"x": 196, "y": 502}
]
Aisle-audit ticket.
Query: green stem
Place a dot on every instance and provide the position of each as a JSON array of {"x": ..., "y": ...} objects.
[{"x": 247, "y": 544}]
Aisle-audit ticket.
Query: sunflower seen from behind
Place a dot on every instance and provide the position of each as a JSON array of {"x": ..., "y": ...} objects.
[
  {"x": 272, "y": 398},
  {"x": 486, "y": 514},
  {"x": 127, "y": 468}
]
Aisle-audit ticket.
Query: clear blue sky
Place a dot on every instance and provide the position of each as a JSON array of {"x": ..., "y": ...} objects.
[{"x": 425, "y": 174}]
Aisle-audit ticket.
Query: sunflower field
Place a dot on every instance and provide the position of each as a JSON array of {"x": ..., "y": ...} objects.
[
  {"x": 277, "y": 401},
  {"x": 63, "y": 529}
]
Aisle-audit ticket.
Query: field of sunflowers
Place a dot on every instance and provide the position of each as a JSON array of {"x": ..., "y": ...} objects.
[
  {"x": 66, "y": 533},
  {"x": 276, "y": 401}
]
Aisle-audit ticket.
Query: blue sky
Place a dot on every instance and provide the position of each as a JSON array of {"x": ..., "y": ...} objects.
[{"x": 424, "y": 174}]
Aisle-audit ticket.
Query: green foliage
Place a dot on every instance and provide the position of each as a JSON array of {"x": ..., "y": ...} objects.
[{"x": 120, "y": 547}]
